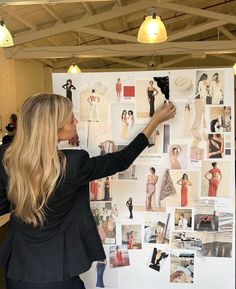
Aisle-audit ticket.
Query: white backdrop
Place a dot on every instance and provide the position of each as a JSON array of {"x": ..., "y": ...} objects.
[{"x": 213, "y": 266}]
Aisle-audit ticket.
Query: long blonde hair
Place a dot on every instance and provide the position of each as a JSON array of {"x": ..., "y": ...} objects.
[{"x": 33, "y": 163}]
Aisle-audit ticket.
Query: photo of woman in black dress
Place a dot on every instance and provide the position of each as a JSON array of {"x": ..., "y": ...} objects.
[{"x": 68, "y": 86}]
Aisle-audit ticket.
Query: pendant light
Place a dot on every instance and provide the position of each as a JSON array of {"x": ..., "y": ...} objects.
[
  {"x": 234, "y": 67},
  {"x": 152, "y": 29},
  {"x": 74, "y": 68},
  {"x": 5, "y": 36}
]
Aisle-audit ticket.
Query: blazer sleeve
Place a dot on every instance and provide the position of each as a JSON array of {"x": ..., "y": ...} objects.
[{"x": 102, "y": 166}]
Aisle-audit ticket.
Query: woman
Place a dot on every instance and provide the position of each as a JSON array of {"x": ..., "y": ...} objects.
[
  {"x": 131, "y": 241},
  {"x": 124, "y": 125},
  {"x": 119, "y": 257},
  {"x": 216, "y": 90},
  {"x": 129, "y": 204},
  {"x": 184, "y": 182},
  {"x": 107, "y": 196},
  {"x": 214, "y": 180},
  {"x": 151, "y": 93},
  {"x": 68, "y": 86},
  {"x": 183, "y": 222},
  {"x": 93, "y": 100},
  {"x": 118, "y": 89},
  {"x": 202, "y": 87},
  {"x": 130, "y": 121},
  {"x": 52, "y": 235},
  {"x": 175, "y": 152},
  {"x": 215, "y": 146},
  {"x": 151, "y": 188}
]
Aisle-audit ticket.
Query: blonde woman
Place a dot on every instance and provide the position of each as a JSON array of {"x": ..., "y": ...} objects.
[{"x": 53, "y": 237}]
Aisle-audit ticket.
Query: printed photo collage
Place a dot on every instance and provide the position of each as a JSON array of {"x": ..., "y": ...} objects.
[{"x": 174, "y": 206}]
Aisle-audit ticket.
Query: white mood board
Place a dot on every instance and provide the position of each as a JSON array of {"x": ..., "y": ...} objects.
[{"x": 179, "y": 231}]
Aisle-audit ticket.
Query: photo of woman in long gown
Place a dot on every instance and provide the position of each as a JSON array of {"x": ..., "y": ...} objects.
[
  {"x": 124, "y": 125},
  {"x": 216, "y": 90},
  {"x": 214, "y": 177},
  {"x": 151, "y": 93},
  {"x": 174, "y": 153},
  {"x": 131, "y": 240},
  {"x": 203, "y": 87},
  {"x": 184, "y": 183},
  {"x": 215, "y": 146},
  {"x": 129, "y": 204},
  {"x": 68, "y": 86},
  {"x": 130, "y": 121},
  {"x": 152, "y": 179}
]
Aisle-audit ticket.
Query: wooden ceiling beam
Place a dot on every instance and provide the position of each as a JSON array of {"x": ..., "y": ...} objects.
[
  {"x": 208, "y": 47},
  {"x": 227, "y": 33},
  {"x": 127, "y": 62},
  {"x": 85, "y": 21},
  {"x": 197, "y": 11},
  {"x": 195, "y": 29}
]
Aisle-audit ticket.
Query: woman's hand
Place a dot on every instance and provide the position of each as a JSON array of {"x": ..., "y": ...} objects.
[{"x": 165, "y": 112}]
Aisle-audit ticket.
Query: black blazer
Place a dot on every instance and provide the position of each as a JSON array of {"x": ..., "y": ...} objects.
[{"x": 68, "y": 243}]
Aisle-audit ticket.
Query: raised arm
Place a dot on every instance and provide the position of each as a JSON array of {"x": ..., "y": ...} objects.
[{"x": 109, "y": 164}]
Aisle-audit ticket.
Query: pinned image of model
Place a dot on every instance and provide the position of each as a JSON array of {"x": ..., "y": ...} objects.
[
  {"x": 152, "y": 179},
  {"x": 151, "y": 93},
  {"x": 104, "y": 217},
  {"x": 214, "y": 177},
  {"x": 124, "y": 125},
  {"x": 215, "y": 146},
  {"x": 100, "y": 267},
  {"x": 131, "y": 236},
  {"x": 127, "y": 122},
  {"x": 107, "y": 195},
  {"x": 184, "y": 183},
  {"x": 93, "y": 100},
  {"x": 174, "y": 152},
  {"x": 158, "y": 256},
  {"x": 183, "y": 219},
  {"x": 216, "y": 89},
  {"x": 129, "y": 205},
  {"x": 119, "y": 256},
  {"x": 220, "y": 119},
  {"x": 156, "y": 229},
  {"x": 118, "y": 89},
  {"x": 68, "y": 86}
]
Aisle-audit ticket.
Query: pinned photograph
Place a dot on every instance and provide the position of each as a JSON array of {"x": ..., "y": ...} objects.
[
  {"x": 104, "y": 215},
  {"x": 215, "y": 146},
  {"x": 186, "y": 240},
  {"x": 219, "y": 119},
  {"x": 182, "y": 268},
  {"x": 216, "y": 244},
  {"x": 119, "y": 256},
  {"x": 206, "y": 218},
  {"x": 158, "y": 258},
  {"x": 157, "y": 228},
  {"x": 187, "y": 188},
  {"x": 100, "y": 190},
  {"x": 183, "y": 219},
  {"x": 131, "y": 236},
  {"x": 215, "y": 179}
]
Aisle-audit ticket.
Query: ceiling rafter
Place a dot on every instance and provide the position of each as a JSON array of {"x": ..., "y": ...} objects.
[
  {"x": 227, "y": 33},
  {"x": 197, "y": 11},
  {"x": 127, "y": 62},
  {"x": 209, "y": 47},
  {"x": 85, "y": 21}
]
